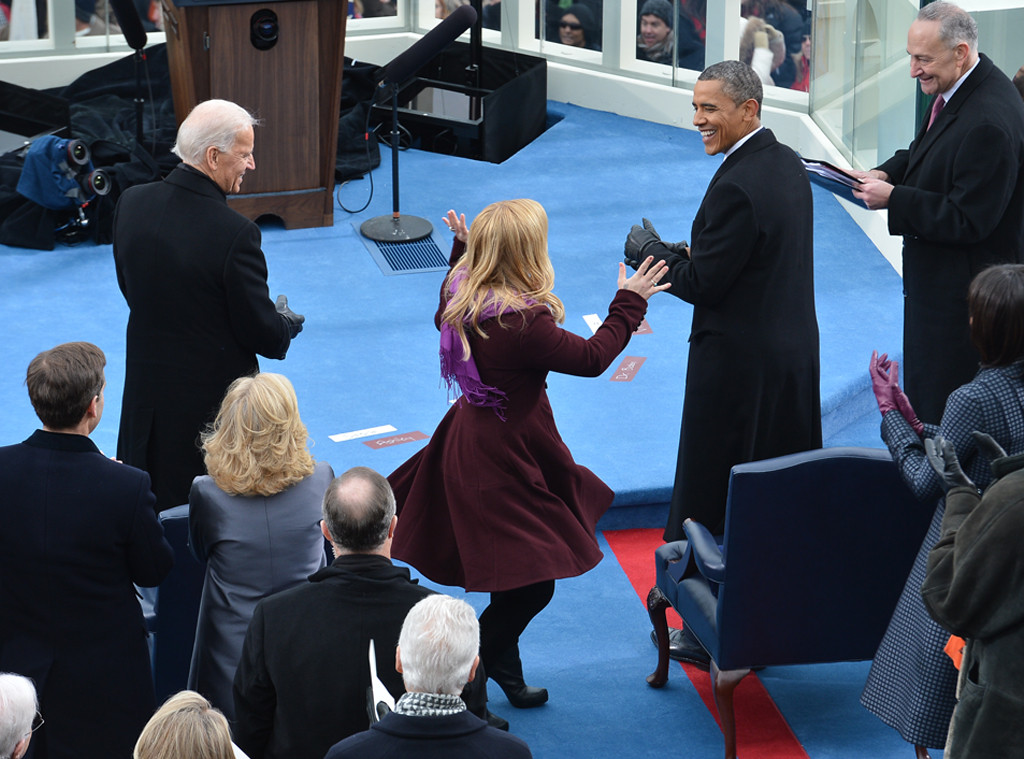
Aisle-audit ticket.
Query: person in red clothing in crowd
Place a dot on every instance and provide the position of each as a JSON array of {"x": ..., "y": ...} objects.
[{"x": 495, "y": 501}]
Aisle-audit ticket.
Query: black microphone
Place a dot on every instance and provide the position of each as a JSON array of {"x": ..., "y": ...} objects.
[
  {"x": 130, "y": 23},
  {"x": 433, "y": 42}
]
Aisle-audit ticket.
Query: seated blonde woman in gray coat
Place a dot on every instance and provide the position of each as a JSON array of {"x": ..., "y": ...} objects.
[{"x": 254, "y": 519}]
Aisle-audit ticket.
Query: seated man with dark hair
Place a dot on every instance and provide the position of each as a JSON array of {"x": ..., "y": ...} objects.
[
  {"x": 301, "y": 684},
  {"x": 76, "y": 531},
  {"x": 437, "y": 655}
]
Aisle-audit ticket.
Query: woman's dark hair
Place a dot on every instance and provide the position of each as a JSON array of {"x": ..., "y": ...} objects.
[{"x": 995, "y": 302}]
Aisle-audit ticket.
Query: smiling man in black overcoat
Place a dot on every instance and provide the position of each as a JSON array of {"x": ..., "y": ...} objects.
[
  {"x": 195, "y": 279},
  {"x": 753, "y": 370},
  {"x": 752, "y": 375},
  {"x": 956, "y": 195}
]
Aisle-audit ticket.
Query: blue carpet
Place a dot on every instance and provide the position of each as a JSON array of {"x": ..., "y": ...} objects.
[{"x": 368, "y": 357}]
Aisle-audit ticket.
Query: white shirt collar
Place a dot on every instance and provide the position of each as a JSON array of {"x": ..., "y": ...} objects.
[
  {"x": 956, "y": 85},
  {"x": 740, "y": 141}
]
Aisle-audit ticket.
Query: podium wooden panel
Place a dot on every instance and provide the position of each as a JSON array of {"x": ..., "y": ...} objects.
[{"x": 294, "y": 88}]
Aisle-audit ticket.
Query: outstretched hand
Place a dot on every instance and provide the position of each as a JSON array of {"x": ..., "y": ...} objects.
[
  {"x": 645, "y": 281},
  {"x": 457, "y": 224}
]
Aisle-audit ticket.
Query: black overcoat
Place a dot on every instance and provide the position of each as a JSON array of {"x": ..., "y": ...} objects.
[
  {"x": 958, "y": 202},
  {"x": 302, "y": 679},
  {"x": 752, "y": 378},
  {"x": 195, "y": 279},
  {"x": 76, "y": 530}
]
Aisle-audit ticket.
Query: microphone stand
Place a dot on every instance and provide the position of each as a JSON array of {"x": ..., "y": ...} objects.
[
  {"x": 476, "y": 45},
  {"x": 139, "y": 99},
  {"x": 395, "y": 228},
  {"x": 128, "y": 19},
  {"x": 398, "y": 228}
]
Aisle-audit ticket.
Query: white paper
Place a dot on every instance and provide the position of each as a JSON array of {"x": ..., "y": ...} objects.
[{"x": 368, "y": 432}]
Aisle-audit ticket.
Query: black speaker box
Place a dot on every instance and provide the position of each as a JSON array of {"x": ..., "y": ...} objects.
[{"x": 445, "y": 113}]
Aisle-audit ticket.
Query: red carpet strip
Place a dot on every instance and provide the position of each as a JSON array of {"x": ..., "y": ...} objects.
[{"x": 761, "y": 730}]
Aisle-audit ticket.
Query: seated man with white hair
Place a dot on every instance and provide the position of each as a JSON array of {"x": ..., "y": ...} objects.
[
  {"x": 18, "y": 707},
  {"x": 437, "y": 655}
]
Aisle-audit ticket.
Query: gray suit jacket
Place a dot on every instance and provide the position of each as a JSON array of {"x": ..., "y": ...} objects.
[{"x": 253, "y": 546}]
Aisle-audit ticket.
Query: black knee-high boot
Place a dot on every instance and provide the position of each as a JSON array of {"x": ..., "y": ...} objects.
[
  {"x": 507, "y": 672},
  {"x": 501, "y": 624}
]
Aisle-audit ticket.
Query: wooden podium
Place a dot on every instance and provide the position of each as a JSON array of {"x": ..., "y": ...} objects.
[{"x": 283, "y": 62}]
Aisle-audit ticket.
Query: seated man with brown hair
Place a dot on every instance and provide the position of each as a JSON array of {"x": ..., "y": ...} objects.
[{"x": 76, "y": 531}]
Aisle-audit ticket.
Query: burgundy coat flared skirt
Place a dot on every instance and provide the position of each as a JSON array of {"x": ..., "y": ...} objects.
[{"x": 492, "y": 504}]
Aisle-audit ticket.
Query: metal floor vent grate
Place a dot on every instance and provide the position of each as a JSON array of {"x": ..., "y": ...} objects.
[{"x": 407, "y": 257}]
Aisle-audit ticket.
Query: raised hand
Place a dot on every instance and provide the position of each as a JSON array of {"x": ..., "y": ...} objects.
[
  {"x": 457, "y": 224},
  {"x": 645, "y": 281}
]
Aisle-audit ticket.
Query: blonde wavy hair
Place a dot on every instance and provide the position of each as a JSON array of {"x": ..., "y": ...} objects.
[
  {"x": 506, "y": 264},
  {"x": 257, "y": 445},
  {"x": 185, "y": 727}
]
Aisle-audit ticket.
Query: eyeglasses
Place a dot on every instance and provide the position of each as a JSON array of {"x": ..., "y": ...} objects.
[
  {"x": 37, "y": 722},
  {"x": 570, "y": 25}
]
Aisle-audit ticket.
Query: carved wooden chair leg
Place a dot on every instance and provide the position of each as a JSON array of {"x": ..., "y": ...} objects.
[
  {"x": 723, "y": 685},
  {"x": 657, "y": 604}
]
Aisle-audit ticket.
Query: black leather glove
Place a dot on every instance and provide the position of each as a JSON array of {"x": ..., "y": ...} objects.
[
  {"x": 294, "y": 320},
  {"x": 679, "y": 248},
  {"x": 638, "y": 242},
  {"x": 942, "y": 457}
]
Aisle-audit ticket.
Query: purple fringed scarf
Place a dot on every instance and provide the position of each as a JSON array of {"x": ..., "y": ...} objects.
[{"x": 455, "y": 370}]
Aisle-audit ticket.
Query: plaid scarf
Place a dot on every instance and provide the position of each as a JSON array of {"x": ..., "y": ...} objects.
[{"x": 429, "y": 704}]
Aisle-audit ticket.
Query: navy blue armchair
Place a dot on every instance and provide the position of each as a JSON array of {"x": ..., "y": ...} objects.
[
  {"x": 176, "y": 608},
  {"x": 817, "y": 548}
]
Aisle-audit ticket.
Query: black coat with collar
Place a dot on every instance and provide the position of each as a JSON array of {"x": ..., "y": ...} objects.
[
  {"x": 958, "y": 202},
  {"x": 76, "y": 531},
  {"x": 195, "y": 279},
  {"x": 752, "y": 377},
  {"x": 301, "y": 683},
  {"x": 452, "y": 736}
]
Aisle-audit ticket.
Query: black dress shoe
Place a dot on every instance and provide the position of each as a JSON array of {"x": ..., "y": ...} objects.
[
  {"x": 684, "y": 647},
  {"x": 495, "y": 721},
  {"x": 507, "y": 672}
]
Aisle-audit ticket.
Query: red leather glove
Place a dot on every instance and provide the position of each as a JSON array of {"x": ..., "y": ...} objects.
[
  {"x": 885, "y": 381},
  {"x": 880, "y": 370},
  {"x": 904, "y": 407}
]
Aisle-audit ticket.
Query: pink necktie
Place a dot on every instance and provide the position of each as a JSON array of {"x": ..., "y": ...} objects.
[{"x": 937, "y": 106}]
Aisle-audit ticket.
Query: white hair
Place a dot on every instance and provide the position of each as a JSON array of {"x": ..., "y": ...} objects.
[
  {"x": 17, "y": 709},
  {"x": 212, "y": 123},
  {"x": 439, "y": 642}
]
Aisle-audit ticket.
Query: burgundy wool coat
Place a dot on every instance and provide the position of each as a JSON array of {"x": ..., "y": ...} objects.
[{"x": 493, "y": 505}]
